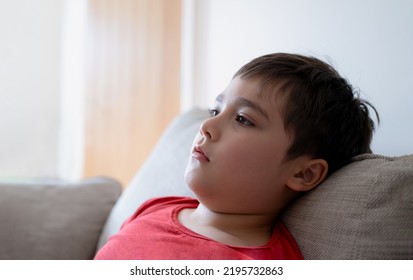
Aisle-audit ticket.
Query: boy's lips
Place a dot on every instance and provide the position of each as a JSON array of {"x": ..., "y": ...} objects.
[{"x": 199, "y": 154}]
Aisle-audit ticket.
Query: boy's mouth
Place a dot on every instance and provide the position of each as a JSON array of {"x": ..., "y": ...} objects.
[{"x": 199, "y": 154}]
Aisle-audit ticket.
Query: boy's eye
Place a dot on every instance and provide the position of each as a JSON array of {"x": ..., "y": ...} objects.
[
  {"x": 213, "y": 112},
  {"x": 244, "y": 121}
]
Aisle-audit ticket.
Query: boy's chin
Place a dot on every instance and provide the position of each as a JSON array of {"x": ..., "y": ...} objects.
[
  {"x": 193, "y": 182},
  {"x": 188, "y": 178}
]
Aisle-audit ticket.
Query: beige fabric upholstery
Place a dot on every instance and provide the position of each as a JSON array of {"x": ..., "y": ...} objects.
[{"x": 363, "y": 211}]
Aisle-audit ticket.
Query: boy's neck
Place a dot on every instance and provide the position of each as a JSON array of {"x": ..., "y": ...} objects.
[{"x": 230, "y": 229}]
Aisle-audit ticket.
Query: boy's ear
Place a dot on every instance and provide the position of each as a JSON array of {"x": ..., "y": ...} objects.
[{"x": 310, "y": 174}]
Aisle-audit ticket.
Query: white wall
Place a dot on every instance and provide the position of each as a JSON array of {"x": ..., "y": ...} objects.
[
  {"x": 71, "y": 130},
  {"x": 29, "y": 87},
  {"x": 370, "y": 43}
]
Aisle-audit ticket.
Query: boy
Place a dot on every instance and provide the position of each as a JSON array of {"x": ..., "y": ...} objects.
[{"x": 283, "y": 124}]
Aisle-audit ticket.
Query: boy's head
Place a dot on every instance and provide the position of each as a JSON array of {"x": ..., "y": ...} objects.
[
  {"x": 321, "y": 111},
  {"x": 280, "y": 126}
]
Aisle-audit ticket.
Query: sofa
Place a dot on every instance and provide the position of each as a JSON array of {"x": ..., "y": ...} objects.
[{"x": 362, "y": 211}]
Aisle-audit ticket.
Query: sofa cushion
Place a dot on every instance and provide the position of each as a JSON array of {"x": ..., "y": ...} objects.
[
  {"x": 47, "y": 219},
  {"x": 363, "y": 211},
  {"x": 162, "y": 174}
]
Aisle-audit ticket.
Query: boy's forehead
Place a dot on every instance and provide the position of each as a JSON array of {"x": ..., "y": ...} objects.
[
  {"x": 255, "y": 88},
  {"x": 251, "y": 92}
]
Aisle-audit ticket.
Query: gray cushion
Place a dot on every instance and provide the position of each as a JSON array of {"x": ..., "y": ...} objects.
[
  {"x": 54, "y": 219},
  {"x": 363, "y": 211}
]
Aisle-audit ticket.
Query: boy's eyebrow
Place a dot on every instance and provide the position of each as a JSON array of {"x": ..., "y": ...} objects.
[
  {"x": 256, "y": 107},
  {"x": 247, "y": 103}
]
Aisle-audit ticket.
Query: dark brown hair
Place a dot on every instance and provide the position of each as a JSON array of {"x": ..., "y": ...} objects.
[{"x": 322, "y": 112}]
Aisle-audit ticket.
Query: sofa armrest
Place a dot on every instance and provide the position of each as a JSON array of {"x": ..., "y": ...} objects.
[{"x": 46, "y": 219}]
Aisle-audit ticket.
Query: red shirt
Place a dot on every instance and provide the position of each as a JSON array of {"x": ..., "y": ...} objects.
[{"x": 154, "y": 232}]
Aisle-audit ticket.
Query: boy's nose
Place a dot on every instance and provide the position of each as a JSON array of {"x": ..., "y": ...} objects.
[{"x": 209, "y": 129}]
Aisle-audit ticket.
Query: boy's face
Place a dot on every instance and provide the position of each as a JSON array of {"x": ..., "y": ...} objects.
[{"x": 236, "y": 165}]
